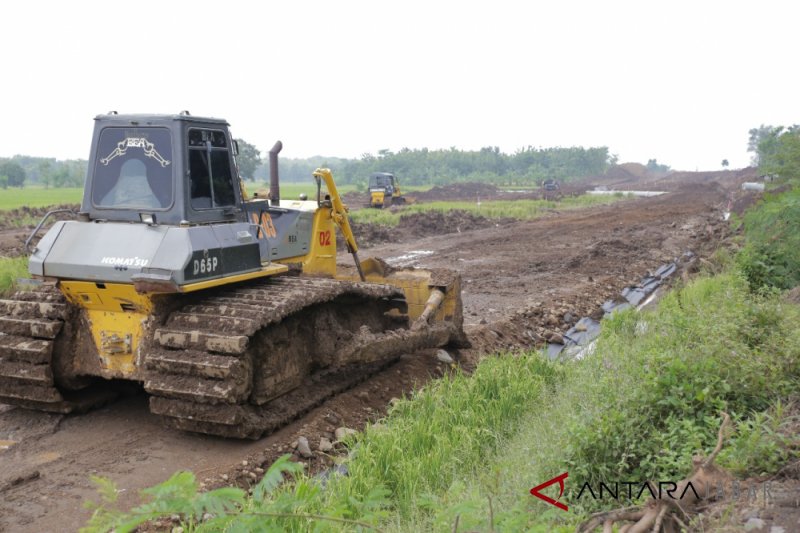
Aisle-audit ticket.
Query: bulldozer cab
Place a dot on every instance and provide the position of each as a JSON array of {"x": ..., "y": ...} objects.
[
  {"x": 171, "y": 169},
  {"x": 382, "y": 181},
  {"x": 169, "y": 213}
]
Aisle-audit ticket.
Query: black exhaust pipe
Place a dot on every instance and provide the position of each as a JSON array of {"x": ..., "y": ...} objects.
[{"x": 274, "y": 184}]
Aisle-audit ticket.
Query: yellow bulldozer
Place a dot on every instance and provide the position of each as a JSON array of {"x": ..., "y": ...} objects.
[
  {"x": 384, "y": 189},
  {"x": 230, "y": 311}
]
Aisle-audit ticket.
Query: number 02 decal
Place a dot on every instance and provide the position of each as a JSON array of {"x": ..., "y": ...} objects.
[{"x": 325, "y": 238}]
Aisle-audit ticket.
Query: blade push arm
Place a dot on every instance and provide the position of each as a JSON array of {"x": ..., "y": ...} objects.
[{"x": 339, "y": 215}]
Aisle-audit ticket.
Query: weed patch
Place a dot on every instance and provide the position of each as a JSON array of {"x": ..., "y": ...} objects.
[{"x": 11, "y": 269}]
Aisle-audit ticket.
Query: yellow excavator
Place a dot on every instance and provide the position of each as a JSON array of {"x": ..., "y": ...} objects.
[{"x": 230, "y": 311}]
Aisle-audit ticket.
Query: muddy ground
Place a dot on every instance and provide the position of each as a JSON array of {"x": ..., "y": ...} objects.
[
  {"x": 522, "y": 281},
  {"x": 17, "y": 224}
]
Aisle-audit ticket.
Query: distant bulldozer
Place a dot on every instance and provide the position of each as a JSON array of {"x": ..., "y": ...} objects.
[
  {"x": 384, "y": 189},
  {"x": 550, "y": 189}
]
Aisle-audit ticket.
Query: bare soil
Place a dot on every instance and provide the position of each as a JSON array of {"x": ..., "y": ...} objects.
[
  {"x": 17, "y": 224},
  {"x": 522, "y": 282}
]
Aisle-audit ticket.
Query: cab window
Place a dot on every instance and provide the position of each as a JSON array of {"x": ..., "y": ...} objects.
[
  {"x": 133, "y": 169},
  {"x": 210, "y": 172}
]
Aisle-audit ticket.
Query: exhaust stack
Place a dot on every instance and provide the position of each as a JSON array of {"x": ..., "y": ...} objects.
[{"x": 274, "y": 184}]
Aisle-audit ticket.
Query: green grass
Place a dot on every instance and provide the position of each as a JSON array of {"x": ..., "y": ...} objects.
[
  {"x": 639, "y": 408},
  {"x": 11, "y": 269},
  {"x": 771, "y": 254},
  {"x": 12, "y": 198},
  {"x": 517, "y": 209},
  {"x": 292, "y": 191}
]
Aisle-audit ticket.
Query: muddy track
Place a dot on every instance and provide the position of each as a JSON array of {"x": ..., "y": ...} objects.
[
  {"x": 224, "y": 364},
  {"x": 522, "y": 282},
  {"x": 30, "y": 323}
]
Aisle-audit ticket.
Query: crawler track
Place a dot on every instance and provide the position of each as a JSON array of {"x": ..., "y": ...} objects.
[
  {"x": 30, "y": 322},
  {"x": 248, "y": 360},
  {"x": 34, "y": 326}
]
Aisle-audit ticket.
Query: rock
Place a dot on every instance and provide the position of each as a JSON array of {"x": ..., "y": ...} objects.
[
  {"x": 333, "y": 418},
  {"x": 224, "y": 477},
  {"x": 483, "y": 321},
  {"x": 568, "y": 318},
  {"x": 258, "y": 470},
  {"x": 555, "y": 338},
  {"x": 177, "y": 529},
  {"x": 754, "y": 524},
  {"x": 325, "y": 445},
  {"x": 244, "y": 463},
  {"x": 303, "y": 448},
  {"x": 444, "y": 357},
  {"x": 252, "y": 475},
  {"x": 363, "y": 396},
  {"x": 343, "y": 432}
]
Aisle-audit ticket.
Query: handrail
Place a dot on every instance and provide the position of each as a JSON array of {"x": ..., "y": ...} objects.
[{"x": 41, "y": 223}]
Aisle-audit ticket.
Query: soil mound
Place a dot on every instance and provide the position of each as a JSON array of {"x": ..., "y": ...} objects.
[
  {"x": 417, "y": 225},
  {"x": 457, "y": 191}
]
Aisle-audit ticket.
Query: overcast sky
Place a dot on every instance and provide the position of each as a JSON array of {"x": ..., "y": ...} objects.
[{"x": 679, "y": 81}]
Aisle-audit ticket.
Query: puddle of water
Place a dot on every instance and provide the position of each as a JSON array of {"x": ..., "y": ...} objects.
[
  {"x": 408, "y": 258},
  {"x": 634, "y": 193}
]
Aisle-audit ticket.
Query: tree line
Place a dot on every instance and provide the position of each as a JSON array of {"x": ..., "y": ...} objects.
[
  {"x": 22, "y": 170},
  {"x": 527, "y": 166}
]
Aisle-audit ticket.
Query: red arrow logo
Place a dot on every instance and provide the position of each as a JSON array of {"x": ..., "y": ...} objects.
[{"x": 560, "y": 479}]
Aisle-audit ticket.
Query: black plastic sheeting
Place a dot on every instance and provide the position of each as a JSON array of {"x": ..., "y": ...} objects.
[
  {"x": 587, "y": 330},
  {"x": 581, "y": 334},
  {"x": 633, "y": 296}
]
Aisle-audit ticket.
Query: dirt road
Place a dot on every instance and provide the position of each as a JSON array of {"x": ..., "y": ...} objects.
[{"x": 522, "y": 281}]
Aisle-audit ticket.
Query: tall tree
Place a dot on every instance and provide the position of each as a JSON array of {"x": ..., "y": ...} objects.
[
  {"x": 14, "y": 172},
  {"x": 783, "y": 158},
  {"x": 249, "y": 159},
  {"x": 725, "y": 163},
  {"x": 761, "y": 142}
]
